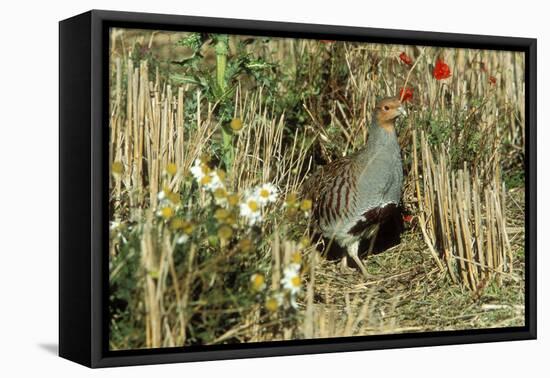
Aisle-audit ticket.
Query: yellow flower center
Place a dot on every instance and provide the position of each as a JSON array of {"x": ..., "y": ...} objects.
[
  {"x": 245, "y": 245},
  {"x": 188, "y": 227},
  {"x": 296, "y": 257},
  {"x": 264, "y": 193},
  {"x": 258, "y": 281},
  {"x": 225, "y": 232},
  {"x": 233, "y": 199},
  {"x": 296, "y": 281},
  {"x": 253, "y": 205},
  {"x": 291, "y": 199},
  {"x": 221, "y": 214},
  {"x": 167, "y": 212},
  {"x": 174, "y": 198},
  {"x": 206, "y": 180},
  {"x": 176, "y": 224},
  {"x": 220, "y": 193},
  {"x": 205, "y": 169},
  {"x": 231, "y": 219},
  {"x": 306, "y": 205},
  {"x": 304, "y": 241},
  {"x": 171, "y": 169},
  {"x": 236, "y": 124},
  {"x": 271, "y": 304}
]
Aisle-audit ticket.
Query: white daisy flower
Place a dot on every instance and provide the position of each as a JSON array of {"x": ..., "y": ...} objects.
[
  {"x": 274, "y": 301},
  {"x": 266, "y": 193},
  {"x": 258, "y": 281},
  {"x": 295, "y": 261},
  {"x": 161, "y": 195},
  {"x": 206, "y": 177},
  {"x": 182, "y": 239},
  {"x": 291, "y": 279},
  {"x": 250, "y": 209},
  {"x": 213, "y": 183},
  {"x": 197, "y": 170}
]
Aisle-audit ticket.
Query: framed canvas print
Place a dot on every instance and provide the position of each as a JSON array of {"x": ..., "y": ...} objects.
[{"x": 234, "y": 188}]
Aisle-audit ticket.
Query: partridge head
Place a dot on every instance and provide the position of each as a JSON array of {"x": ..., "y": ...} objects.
[{"x": 387, "y": 111}]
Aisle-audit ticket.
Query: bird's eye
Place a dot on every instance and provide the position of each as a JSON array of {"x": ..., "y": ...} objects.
[{"x": 386, "y": 108}]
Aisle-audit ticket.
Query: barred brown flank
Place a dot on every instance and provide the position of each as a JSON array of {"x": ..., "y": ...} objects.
[
  {"x": 347, "y": 203},
  {"x": 339, "y": 194}
]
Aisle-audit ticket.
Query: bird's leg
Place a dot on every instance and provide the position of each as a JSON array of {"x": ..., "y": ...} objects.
[
  {"x": 344, "y": 266},
  {"x": 344, "y": 263},
  {"x": 374, "y": 234},
  {"x": 353, "y": 253}
]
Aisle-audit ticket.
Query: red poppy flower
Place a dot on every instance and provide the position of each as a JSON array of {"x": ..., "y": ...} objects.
[
  {"x": 406, "y": 94},
  {"x": 492, "y": 80},
  {"x": 441, "y": 70},
  {"x": 407, "y": 218},
  {"x": 405, "y": 58}
]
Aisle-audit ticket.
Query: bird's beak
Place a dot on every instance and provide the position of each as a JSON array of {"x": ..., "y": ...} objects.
[{"x": 402, "y": 111}]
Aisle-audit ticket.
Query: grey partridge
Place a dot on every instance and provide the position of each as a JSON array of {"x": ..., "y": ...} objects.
[{"x": 354, "y": 194}]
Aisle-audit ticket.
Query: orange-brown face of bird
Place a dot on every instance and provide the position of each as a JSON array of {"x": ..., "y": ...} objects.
[{"x": 387, "y": 111}]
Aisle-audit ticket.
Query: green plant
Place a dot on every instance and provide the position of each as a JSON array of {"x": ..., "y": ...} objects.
[{"x": 220, "y": 83}]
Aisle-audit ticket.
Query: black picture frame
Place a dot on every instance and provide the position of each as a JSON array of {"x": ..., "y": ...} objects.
[{"x": 83, "y": 181}]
